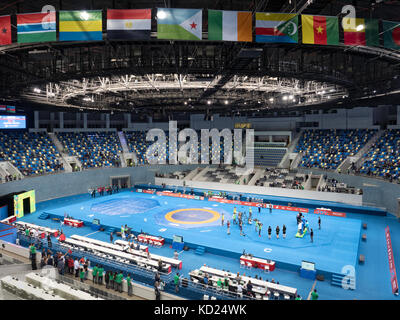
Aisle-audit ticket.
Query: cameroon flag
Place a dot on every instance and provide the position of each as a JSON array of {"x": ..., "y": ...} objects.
[
  {"x": 359, "y": 31},
  {"x": 320, "y": 30},
  {"x": 391, "y": 34}
]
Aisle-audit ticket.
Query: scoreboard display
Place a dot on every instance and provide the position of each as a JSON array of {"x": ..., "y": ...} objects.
[{"x": 12, "y": 122}]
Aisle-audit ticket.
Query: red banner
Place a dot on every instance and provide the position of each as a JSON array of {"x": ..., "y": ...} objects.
[
  {"x": 287, "y": 208},
  {"x": 328, "y": 212},
  {"x": 392, "y": 267},
  {"x": 179, "y": 195},
  {"x": 145, "y": 191}
]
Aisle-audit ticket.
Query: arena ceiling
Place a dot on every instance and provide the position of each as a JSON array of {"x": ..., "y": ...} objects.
[{"x": 167, "y": 76}]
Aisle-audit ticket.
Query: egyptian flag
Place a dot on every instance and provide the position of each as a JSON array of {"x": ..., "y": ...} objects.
[
  {"x": 320, "y": 30},
  {"x": 391, "y": 34},
  {"x": 5, "y": 30},
  {"x": 359, "y": 31},
  {"x": 131, "y": 24}
]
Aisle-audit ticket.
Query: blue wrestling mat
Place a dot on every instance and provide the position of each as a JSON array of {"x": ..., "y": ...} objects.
[{"x": 199, "y": 222}]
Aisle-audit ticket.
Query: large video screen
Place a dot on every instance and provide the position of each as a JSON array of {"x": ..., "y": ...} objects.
[{"x": 12, "y": 122}]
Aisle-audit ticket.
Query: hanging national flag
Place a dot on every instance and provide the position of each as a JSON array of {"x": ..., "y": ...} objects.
[
  {"x": 2, "y": 108},
  {"x": 131, "y": 24},
  {"x": 5, "y": 30},
  {"x": 391, "y": 34},
  {"x": 11, "y": 109},
  {"x": 179, "y": 24},
  {"x": 277, "y": 27},
  {"x": 81, "y": 25},
  {"x": 36, "y": 27},
  {"x": 230, "y": 25},
  {"x": 320, "y": 30},
  {"x": 359, "y": 31}
]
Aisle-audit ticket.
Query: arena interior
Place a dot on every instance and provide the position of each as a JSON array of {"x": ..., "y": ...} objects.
[{"x": 199, "y": 150}]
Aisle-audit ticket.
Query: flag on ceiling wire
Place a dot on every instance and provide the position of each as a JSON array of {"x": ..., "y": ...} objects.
[
  {"x": 277, "y": 27},
  {"x": 5, "y": 30},
  {"x": 179, "y": 24},
  {"x": 36, "y": 27},
  {"x": 320, "y": 30},
  {"x": 391, "y": 34},
  {"x": 230, "y": 25},
  {"x": 360, "y": 31},
  {"x": 131, "y": 24},
  {"x": 81, "y": 25}
]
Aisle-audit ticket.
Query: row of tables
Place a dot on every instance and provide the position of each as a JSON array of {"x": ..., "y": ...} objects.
[
  {"x": 139, "y": 260},
  {"x": 174, "y": 262},
  {"x": 124, "y": 246},
  {"x": 43, "y": 231},
  {"x": 259, "y": 286}
]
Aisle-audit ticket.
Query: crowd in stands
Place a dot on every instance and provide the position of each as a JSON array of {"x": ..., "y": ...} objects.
[
  {"x": 32, "y": 153},
  {"x": 327, "y": 149},
  {"x": 383, "y": 159},
  {"x": 93, "y": 149}
]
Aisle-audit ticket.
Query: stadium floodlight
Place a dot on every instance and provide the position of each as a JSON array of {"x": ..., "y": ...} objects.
[
  {"x": 271, "y": 99},
  {"x": 285, "y": 98},
  {"x": 360, "y": 27},
  {"x": 209, "y": 102},
  {"x": 37, "y": 90},
  {"x": 85, "y": 15},
  {"x": 185, "y": 103},
  {"x": 226, "y": 101},
  {"x": 161, "y": 14}
]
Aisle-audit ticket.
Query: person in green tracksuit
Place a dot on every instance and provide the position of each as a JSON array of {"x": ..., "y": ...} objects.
[
  {"x": 82, "y": 275},
  {"x": 129, "y": 284},
  {"x": 118, "y": 281},
  {"x": 314, "y": 295},
  {"x": 94, "y": 273},
  {"x": 219, "y": 283},
  {"x": 111, "y": 280},
  {"x": 100, "y": 272},
  {"x": 176, "y": 282}
]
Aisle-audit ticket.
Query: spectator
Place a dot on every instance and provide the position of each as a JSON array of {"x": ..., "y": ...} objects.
[
  {"x": 100, "y": 273},
  {"x": 94, "y": 273},
  {"x": 157, "y": 291},
  {"x": 176, "y": 282},
  {"x": 76, "y": 268},
  {"x": 129, "y": 284},
  {"x": 118, "y": 281},
  {"x": 61, "y": 266},
  {"x": 314, "y": 295},
  {"x": 107, "y": 279},
  {"x": 82, "y": 274}
]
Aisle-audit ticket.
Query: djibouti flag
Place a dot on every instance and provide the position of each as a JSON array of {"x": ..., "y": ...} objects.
[{"x": 179, "y": 24}]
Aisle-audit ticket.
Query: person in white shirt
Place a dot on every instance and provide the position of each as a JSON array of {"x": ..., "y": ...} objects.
[
  {"x": 76, "y": 267},
  {"x": 239, "y": 290}
]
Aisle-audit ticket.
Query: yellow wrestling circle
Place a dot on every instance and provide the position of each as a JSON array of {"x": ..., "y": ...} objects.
[{"x": 215, "y": 217}]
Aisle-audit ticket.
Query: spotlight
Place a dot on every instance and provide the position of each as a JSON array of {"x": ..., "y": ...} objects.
[
  {"x": 85, "y": 15},
  {"x": 161, "y": 15},
  {"x": 226, "y": 101},
  {"x": 284, "y": 98},
  {"x": 209, "y": 102},
  {"x": 37, "y": 90},
  {"x": 360, "y": 27}
]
